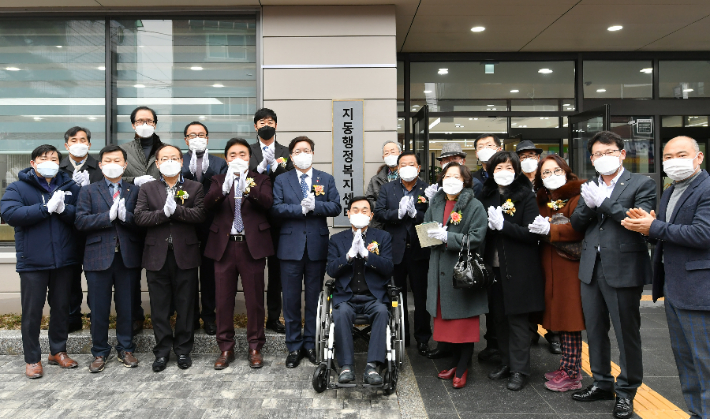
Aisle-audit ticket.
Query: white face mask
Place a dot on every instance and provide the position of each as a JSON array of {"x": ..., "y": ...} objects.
[
  {"x": 112, "y": 170},
  {"x": 48, "y": 169},
  {"x": 553, "y": 182},
  {"x": 303, "y": 161},
  {"x": 408, "y": 173},
  {"x": 391, "y": 160},
  {"x": 359, "y": 220},
  {"x": 78, "y": 149},
  {"x": 485, "y": 154},
  {"x": 197, "y": 144},
  {"x": 679, "y": 169},
  {"x": 238, "y": 166},
  {"x": 607, "y": 165},
  {"x": 145, "y": 130},
  {"x": 504, "y": 177},
  {"x": 170, "y": 168},
  {"x": 529, "y": 165},
  {"x": 452, "y": 186}
]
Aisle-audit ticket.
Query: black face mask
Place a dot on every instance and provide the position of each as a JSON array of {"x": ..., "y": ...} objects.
[{"x": 266, "y": 132}]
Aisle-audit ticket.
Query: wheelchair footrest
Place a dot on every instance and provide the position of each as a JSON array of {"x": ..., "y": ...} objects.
[
  {"x": 373, "y": 385},
  {"x": 347, "y": 385}
]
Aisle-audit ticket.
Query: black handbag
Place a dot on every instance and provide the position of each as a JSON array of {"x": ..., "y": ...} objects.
[{"x": 470, "y": 272}]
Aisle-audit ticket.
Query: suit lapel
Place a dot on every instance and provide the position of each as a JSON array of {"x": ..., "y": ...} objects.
[
  {"x": 683, "y": 198},
  {"x": 294, "y": 180},
  {"x": 621, "y": 184},
  {"x": 280, "y": 150},
  {"x": 125, "y": 189},
  {"x": 106, "y": 193},
  {"x": 258, "y": 154},
  {"x": 662, "y": 216},
  {"x": 317, "y": 180}
]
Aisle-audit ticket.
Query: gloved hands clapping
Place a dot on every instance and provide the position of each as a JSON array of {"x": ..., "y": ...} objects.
[
  {"x": 362, "y": 250},
  {"x": 403, "y": 207},
  {"x": 592, "y": 195},
  {"x": 56, "y": 203},
  {"x": 113, "y": 212},
  {"x": 439, "y": 233},
  {"x": 228, "y": 183},
  {"x": 81, "y": 177},
  {"x": 431, "y": 191},
  {"x": 170, "y": 205},
  {"x": 140, "y": 180},
  {"x": 411, "y": 209},
  {"x": 122, "y": 209},
  {"x": 308, "y": 203},
  {"x": 268, "y": 160},
  {"x": 495, "y": 218},
  {"x": 540, "y": 226},
  {"x": 355, "y": 246}
]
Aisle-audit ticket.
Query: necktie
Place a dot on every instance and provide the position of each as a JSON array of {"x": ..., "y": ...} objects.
[
  {"x": 268, "y": 168},
  {"x": 238, "y": 224},
  {"x": 116, "y": 193},
  {"x": 304, "y": 186}
]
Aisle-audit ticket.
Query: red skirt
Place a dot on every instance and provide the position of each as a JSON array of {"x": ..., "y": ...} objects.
[{"x": 455, "y": 330}]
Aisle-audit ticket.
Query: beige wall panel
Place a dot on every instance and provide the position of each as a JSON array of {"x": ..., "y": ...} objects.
[
  {"x": 370, "y": 171},
  {"x": 330, "y": 50},
  {"x": 302, "y": 115},
  {"x": 49, "y": 3},
  {"x": 329, "y": 20},
  {"x": 341, "y": 83},
  {"x": 373, "y": 144},
  {"x": 322, "y": 139},
  {"x": 380, "y": 115}
]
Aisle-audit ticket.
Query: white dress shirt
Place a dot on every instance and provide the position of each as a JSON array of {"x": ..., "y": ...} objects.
[{"x": 608, "y": 189}]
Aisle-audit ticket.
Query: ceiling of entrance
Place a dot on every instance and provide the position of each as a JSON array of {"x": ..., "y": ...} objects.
[{"x": 510, "y": 25}]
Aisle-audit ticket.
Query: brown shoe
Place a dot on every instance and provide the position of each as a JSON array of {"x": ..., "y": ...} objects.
[
  {"x": 98, "y": 364},
  {"x": 256, "y": 360},
  {"x": 34, "y": 370},
  {"x": 224, "y": 359},
  {"x": 127, "y": 359},
  {"x": 63, "y": 360}
]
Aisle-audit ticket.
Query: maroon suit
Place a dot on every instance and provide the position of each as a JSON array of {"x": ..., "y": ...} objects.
[{"x": 240, "y": 258}]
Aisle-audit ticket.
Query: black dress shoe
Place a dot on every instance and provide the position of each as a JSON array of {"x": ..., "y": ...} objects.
[
  {"x": 517, "y": 381},
  {"x": 502, "y": 372},
  {"x": 423, "y": 348},
  {"x": 489, "y": 355},
  {"x": 438, "y": 354},
  {"x": 210, "y": 328},
  {"x": 294, "y": 358},
  {"x": 276, "y": 326},
  {"x": 623, "y": 408},
  {"x": 184, "y": 362},
  {"x": 311, "y": 355},
  {"x": 555, "y": 347},
  {"x": 160, "y": 363},
  {"x": 591, "y": 394}
]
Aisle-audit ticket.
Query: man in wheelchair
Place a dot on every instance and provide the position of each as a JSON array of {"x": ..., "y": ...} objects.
[{"x": 360, "y": 262}]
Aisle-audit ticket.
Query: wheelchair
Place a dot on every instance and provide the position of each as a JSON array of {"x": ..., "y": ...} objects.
[{"x": 325, "y": 376}]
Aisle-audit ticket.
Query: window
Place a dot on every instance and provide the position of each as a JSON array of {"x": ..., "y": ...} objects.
[
  {"x": 618, "y": 79},
  {"x": 638, "y": 142},
  {"x": 684, "y": 79}
]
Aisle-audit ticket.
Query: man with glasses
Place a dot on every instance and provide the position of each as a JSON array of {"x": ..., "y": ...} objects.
[
  {"x": 614, "y": 267},
  {"x": 270, "y": 158},
  {"x": 486, "y": 146},
  {"x": 529, "y": 158},
  {"x": 200, "y": 166},
  {"x": 303, "y": 200}
]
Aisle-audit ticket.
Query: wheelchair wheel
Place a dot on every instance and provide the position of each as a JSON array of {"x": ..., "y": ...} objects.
[
  {"x": 320, "y": 378},
  {"x": 399, "y": 352},
  {"x": 320, "y": 325},
  {"x": 390, "y": 380}
]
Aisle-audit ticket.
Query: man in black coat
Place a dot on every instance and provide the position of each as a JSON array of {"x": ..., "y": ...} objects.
[{"x": 486, "y": 145}]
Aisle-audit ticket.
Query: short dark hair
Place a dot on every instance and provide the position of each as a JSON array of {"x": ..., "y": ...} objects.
[
  {"x": 358, "y": 199},
  {"x": 44, "y": 149},
  {"x": 264, "y": 113},
  {"x": 143, "y": 108},
  {"x": 110, "y": 149},
  {"x": 409, "y": 153},
  {"x": 195, "y": 123},
  {"x": 297, "y": 140},
  {"x": 560, "y": 162},
  {"x": 233, "y": 141},
  {"x": 606, "y": 137},
  {"x": 502, "y": 157},
  {"x": 163, "y": 145},
  {"x": 482, "y": 136},
  {"x": 465, "y": 173},
  {"x": 75, "y": 130}
]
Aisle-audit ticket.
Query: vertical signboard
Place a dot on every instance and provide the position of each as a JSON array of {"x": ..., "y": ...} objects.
[{"x": 348, "y": 159}]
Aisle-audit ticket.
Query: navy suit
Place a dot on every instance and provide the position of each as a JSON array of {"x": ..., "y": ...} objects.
[
  {"x": 303, "y": 248},
  {"x": 112, "y": 260},
  {"x": 681, "y": 265},
  {"x": 377, "y": 271}
]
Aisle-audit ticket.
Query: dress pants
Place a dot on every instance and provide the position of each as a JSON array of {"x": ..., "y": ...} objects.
[
  {"x": 138, "y": 313},
  {"x": 513, "y": 332},
  {"x": 33, "y": 293},
  {"x": 491, "y": 336},
  {"x": 344, "y": 317},
  {"x": 122, "y": 281},
  {"x": 417, "y": 271},
  {"x": 236, "y": 262},
  {"x": 293, "y": 274},
  {"x": 168, "y": 284},
  {"x": 273, "y": 293},
  {"x": 76, "y": 297},
  {"x": 206, "y": 288},
  {"x": 600, "y": 301}
]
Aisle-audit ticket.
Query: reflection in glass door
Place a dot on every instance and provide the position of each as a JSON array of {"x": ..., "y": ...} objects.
[
  {"x": 420, "y": 140},
  {"x": 582, "y": 128}
]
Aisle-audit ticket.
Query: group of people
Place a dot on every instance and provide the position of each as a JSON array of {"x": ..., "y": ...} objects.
[{"x": 567, "y": 254}]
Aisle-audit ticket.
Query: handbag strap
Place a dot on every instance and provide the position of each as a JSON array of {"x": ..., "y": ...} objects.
[{"x": 465, "y": 244}]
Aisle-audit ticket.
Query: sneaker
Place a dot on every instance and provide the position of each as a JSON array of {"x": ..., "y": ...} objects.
[
  {"x": 552, "y": 374},
  {"x": 562, "y": 382}
]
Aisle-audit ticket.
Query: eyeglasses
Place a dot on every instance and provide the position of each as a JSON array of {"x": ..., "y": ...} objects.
[
  {"x": 547, "y": 173},
  {"x": 145, "y": 121},
  {"x": 193, "y": 135},
  {"x": 491, "y": 146},
  {"x": 297, "y": 152},
  {"x": 606, "y": 153}
]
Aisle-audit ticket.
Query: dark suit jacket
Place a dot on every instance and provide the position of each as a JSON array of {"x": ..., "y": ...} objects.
[
  {"x": 90, "y": 165},
  {"x": 217, "y": 166},
  {"x": 301, "y": 233},
  {"x": 378, "y": 268},
  {"x": 254, "y": 208},
  {"x": 181, "y": 225},
  {"x": 386, "y": 211},
  {"x": 624, "y": 253},
  {"x": 102, "y": 234},
  {"x": 480, "y": 175},
  {"x": 682, "y": 257},
  {"x": 279, "y": 151}
]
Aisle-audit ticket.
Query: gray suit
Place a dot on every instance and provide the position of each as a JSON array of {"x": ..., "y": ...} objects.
[{"x": 612, "y": 280}]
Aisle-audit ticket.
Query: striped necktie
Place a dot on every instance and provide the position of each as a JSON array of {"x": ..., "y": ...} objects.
[{"x": 116, "y": 192}]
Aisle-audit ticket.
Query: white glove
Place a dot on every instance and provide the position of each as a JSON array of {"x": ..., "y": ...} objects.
[
  {"x": 362, "y": 250},
  {"x": 268, "y": 160},
  {"x": 412, "y": 210},
  {"x": 439, "y": 233},
  {"x": 355, "y": 246},
  {"x": 81, "y": 177},
  {"x": 242, "y": 182},
  {"x": 56, "y": 203},
  {"x": 140, "y": 180},
  {"x": 113, "y": 212},
  {"x": 122, "y": 209},
  {"x": 431, "y": 191},
  {"x": 193, "y": 163},
  {"x": 170, "y": 205},
  {"x": 495, "y": 218},
  {"x": 403, "y": 207},
  {"x": 308, "y": 203},
  {"x": 205, "y": 162},
  {"x": 540, "y": 226},
  {"x": 228, "y": 183}
]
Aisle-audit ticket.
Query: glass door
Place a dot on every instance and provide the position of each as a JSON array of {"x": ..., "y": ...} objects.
[
  {"x": 420, "y": 140},
  {"x": 582, "y": 128}
]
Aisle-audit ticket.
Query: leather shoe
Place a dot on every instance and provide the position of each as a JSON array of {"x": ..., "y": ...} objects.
[
  {"x": 184, "y": 361},
  {"x": 160, "y": 363},
  {"x": 224, "y": 359},
  {"x": 502, "y": 372},
  {"x": 460, "y": 382},
  {"x": 210, "y": 328},
  {"x": 438, "y": 354},
  {"x": 294, "y": 358},
  {"x": 137, "y": 326},
  {"x": 276, "y": 326},
  {"x": 127, "y": 359},
  {"x": 34, "y": 370},
  {"x": 98, "y": 364},
  {"x": 555, "y": 347},
  {"x": 447, "y": 374},
  {"x": 63, "y": 360},
  {"x": 517, "y": 381},
  {"x": 256, "y": 360},
  {"x": 311, "y": 355},
  {"x": 592, "y": 393},
  {"x": 423, "y": 348},
  {"x": 623, "y": 408},
  {"x": 489, "y": 354}
]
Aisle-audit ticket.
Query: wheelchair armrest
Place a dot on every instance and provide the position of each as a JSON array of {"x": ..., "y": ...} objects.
[
  {"x": 330, "y": 284},
  {"x": 393, "y": 291}
]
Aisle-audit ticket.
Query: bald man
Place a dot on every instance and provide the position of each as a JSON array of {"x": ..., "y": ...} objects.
[{"x": 682, "y": 265}]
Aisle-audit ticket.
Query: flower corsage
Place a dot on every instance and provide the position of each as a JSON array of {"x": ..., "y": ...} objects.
[
  {"x": 557, "y": 205},
  {"x": 318, "y": 190},
  {"x": 183, "y": 195},
  {"x": 249, "y": 184},
  {"x": 508, "y": 207},
  {"x": 374, "y": 247},
  {"x": 281, "y": 161},
  {"x": 421, "y": 200},
  {"x": 455, "y": 217}
]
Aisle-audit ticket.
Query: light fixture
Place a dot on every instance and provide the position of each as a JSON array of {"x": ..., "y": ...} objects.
[
  {"x": 489, "y": 69},
  {"x": 470, "y": 119},
  {"x": 415, "y": 106},
  {"x": 475, "y": 119},
  {"x": 601, "y": 90},
  {"x": 443, "y": 71},
  {"x": 12, "y": 69},
  {"x": 515, "y": 91},
  {"x": 435, "y": 123},
  {"x": 427, "y": 92},
  {"x": 139, "y": 86},
  {"x": 478, "y": 29},
  {"x": 646, "y": 70},
  {"x": 59, "y": 46},
  {"x": 493, "y": 109},
  {"x": 101, "y": 68},
  {"x": 400, "y": 119},
  {"x": 544, "y": 71},
  {"x": 92, "y": 118},
  {"x": 525, "y": 126},
  {"x": 687, "y": 90},
  {"x": 196, "y": 68},
  {"x": 488, "y": 109},
  {"x": 37, "y": 118},
  {"x": 202, "y": 118},
  {"x": 399, "y": 126},
  {"x": 566, "y": 104},
  {"x": 615, "y": 28},
  {"x": 218, "y": 85}
]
